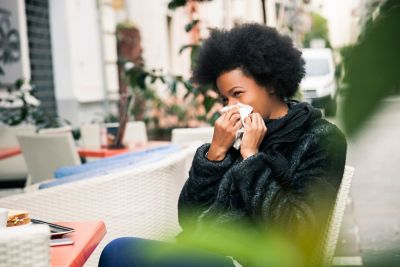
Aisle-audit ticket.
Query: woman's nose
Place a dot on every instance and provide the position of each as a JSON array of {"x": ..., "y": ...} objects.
[{"x": 232, "y": 102}]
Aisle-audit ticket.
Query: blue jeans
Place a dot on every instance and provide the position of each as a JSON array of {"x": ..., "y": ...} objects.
[{"x": 136, "y": 252}]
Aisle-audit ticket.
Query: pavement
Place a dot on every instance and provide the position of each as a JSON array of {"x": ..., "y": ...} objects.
[{"x": 370, "y": 233}]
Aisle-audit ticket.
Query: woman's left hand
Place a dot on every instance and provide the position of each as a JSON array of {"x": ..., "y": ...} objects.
[{"x": 255, "y": 131}]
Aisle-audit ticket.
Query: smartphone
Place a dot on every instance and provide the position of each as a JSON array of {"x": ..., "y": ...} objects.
[
  {"x": 55, "y": 229},
  {"x": 61, "y": 242}
]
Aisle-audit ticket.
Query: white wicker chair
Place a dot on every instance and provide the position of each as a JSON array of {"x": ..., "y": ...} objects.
[
  {"x": 25, "y": 246},
  {"x": 58, "y": 130},
  {"x": 135, "y": 132},
  {"x": 324, "y": 256},
  {"x": 187, "y": 135},
  {"x": 192, "y": 136},
  {"x": 14, "y": 168},
  {"x": 138, "y": 202},
  {"x": 90, "y": 135},
  {"x": 44, "y": 153}
]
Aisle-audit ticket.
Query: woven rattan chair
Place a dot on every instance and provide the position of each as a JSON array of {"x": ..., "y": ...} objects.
[
  {"x": 44, "y": 153},
  {"x": 25, "y": 246},
  {"x": 324, "y": 256},
  {"x": 188, "y": 135},
  {"x": 139, "y": 202}
]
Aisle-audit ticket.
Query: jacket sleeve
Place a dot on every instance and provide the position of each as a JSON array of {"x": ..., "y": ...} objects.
[
  {"x": 202, "y": 185},
  {"x": 300, "y": 195}
]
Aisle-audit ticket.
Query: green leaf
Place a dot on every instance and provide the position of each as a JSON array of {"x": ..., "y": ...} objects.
[
  {"x": 184, "y": 47},
  {"x": 189, "y": 26},
  {"x": 173, "y": 86},
  {"x": 194, "y": 55},
  {"x": 208, "y": 103},
  {"x": 373, "y": 70},
  {"x": 18, "y": 83},
  {"x": 213, "y": 118},
  {"x": 188, "y": 86},
  {"x": 141, "y": 81},
  {"x": 173, "y": 4}
]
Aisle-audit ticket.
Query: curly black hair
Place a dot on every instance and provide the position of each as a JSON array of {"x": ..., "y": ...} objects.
[{"x": 259, "y": 51}]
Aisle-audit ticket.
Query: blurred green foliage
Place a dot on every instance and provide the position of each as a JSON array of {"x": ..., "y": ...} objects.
[
  {"x": 173, "y": 4},
  {"x": 239, "y": 241},
  {"x": 319, "y": 30},
  {"x": 372, "y": 67},
  {"x": 28, "y": 113}
]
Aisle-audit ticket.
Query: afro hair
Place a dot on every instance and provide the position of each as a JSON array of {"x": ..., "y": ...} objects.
[{"x": 259, "y": 51}]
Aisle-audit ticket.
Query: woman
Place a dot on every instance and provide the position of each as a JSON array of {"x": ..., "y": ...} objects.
[{"x": 287, "y": 171}]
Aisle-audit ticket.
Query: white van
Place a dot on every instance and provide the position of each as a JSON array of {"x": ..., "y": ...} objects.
[{"x": 319, "y": 85}]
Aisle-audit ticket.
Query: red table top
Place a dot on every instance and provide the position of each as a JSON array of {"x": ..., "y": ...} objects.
[
  {"x": 106, "y": 152},
  {"x": 9, "y": 152},
  {"x": 87, "y": 236},
  {"x": 84, "y": 152}
]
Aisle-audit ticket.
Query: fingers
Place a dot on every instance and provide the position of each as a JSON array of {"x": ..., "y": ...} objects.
[
  {"x": 232, "y": 112},
  {"x": 247, "y": 122},
  {"x": 255, "y": 121},
  {"x": 237, "y": 125}
]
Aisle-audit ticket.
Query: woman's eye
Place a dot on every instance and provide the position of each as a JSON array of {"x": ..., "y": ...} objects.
[
  {"x": 236, "y": 94},
  {"x": 224, "y": 100}
]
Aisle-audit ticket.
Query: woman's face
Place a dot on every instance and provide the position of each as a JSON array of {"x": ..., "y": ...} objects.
[{"x": 234, "y": 86}]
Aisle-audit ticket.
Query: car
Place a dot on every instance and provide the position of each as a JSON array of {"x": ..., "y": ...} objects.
[{"x": 319, "y": 87}]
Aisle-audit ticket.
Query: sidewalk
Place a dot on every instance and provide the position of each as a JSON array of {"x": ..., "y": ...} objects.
[{"x": 371, "y": 228}]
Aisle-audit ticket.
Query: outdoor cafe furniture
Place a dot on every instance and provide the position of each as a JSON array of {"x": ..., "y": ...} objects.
[
  {"x": 25, "y": 246},
  {"x": 28, "y": 245},
  {"x": 44, "y": 153},
  {"x": 187, "y": 135},
  {"x": 139, "y": 201},
  {"x": 12, "y": 164},
  {"x": 86, "y": 237},
  {"x": 92, "y": 134},
  {"x": 9, "y": 152},
  {"x": 110, "y": 165}
]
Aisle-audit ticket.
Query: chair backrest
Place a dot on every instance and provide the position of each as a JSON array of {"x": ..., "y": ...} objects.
[
  {"x": 188, "y": 135},
  {"x": 135, "y": 132},
  {"x": 91, "y": 135},
  {"x": 64, "y": 129},
  {"x": 330, "y": 237},
  {"x": 44, "y": 153},
  {"x": 13, "y": 168},
  {"x": 8, "y": 135},
  {"x": 25, "y": 246}
]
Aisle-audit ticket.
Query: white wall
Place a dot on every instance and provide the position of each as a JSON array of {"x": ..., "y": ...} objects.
[
  {"x": 151, "y": 18},
  {"x": 17, "y": 21},
  {"x": 78, "y": 59},
  {"x": 340, "y": 20}
]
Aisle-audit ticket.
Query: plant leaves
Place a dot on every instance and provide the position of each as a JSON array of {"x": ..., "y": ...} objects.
[
  {"x": 173, "y": 4},
  {"x": 189, "y": 26},
  {"x": 208, "y": 103},
  {"x": 373, "y": 70}
]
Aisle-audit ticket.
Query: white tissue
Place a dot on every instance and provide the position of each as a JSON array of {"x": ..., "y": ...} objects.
[{"x": 244, "y": 111}]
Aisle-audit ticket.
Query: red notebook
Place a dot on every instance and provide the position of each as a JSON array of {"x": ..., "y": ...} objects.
[{"x": 86, "y": 237}]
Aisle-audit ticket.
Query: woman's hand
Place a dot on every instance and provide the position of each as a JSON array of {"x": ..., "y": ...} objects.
[
  {"x": 255, "y": 131},
  {"x": 225, "y": 129}
]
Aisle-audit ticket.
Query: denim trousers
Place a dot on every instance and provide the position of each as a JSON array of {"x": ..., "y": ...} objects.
[{"x": 137, "y": 252}]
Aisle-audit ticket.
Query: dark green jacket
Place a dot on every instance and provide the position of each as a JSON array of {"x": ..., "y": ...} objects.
[{"x": 289, "y": 186}]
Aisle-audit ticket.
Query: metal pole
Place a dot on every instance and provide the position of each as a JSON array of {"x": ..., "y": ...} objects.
[{"x": 264, "y": 11}]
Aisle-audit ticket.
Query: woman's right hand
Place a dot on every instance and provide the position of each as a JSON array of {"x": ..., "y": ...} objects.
[{"x": 225, "y": 129}]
